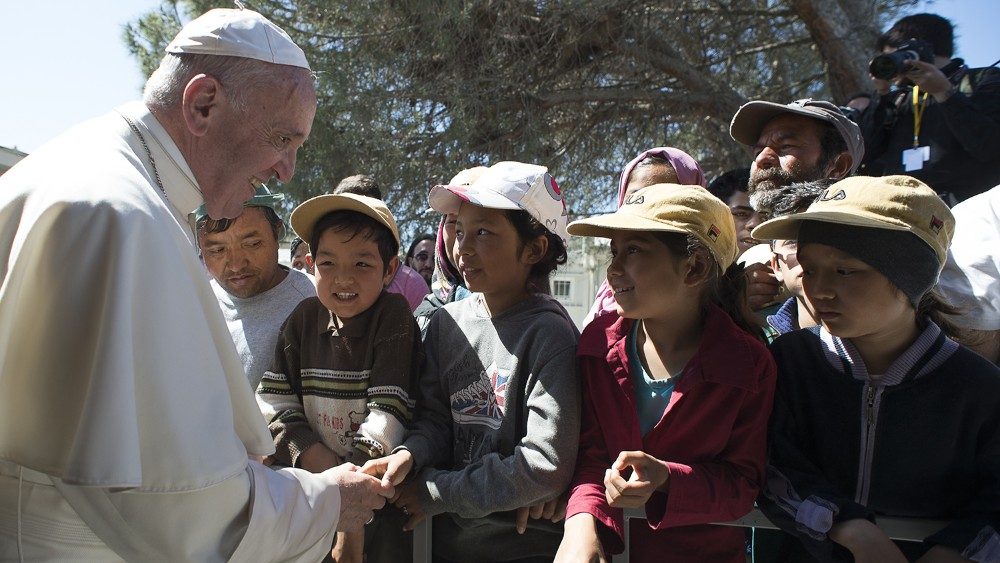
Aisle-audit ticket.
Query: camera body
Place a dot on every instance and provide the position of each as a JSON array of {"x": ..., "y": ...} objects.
[{"x": 890, "y": 65}]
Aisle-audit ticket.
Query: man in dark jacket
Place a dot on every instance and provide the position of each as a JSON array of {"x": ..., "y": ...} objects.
[{"x": 952, "y": 140}]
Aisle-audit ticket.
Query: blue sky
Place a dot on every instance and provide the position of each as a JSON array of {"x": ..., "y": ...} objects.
[{"x": 64, "y": 60}]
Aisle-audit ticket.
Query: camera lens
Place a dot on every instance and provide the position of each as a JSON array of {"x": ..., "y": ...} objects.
[{"x": 883, "y": 67}]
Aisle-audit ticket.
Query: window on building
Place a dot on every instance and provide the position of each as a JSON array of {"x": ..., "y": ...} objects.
[{"x": 561, "y": 288}]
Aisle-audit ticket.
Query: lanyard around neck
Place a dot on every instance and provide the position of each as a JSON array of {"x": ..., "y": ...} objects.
[{"x": 919, "y": 105}]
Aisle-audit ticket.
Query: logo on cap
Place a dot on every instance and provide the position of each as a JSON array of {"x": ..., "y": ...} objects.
[
  {"x": 936, "y": 224},
  {"x": 835, "y": 197},
  {"x": 634, "y": 200},
  {"x": 714, "y": 232}
]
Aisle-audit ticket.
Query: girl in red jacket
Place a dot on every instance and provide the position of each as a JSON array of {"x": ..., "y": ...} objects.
[{"x": 677, "y": 387}]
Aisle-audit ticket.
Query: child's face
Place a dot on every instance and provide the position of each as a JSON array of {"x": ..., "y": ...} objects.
[
  {"x": 647, "y": 278},
  {"x": 785, "y": 263},
  {"x": 488, "y": 252},
  {"x": 850, "y": 298},
  {"x": 350, "y": 273}
]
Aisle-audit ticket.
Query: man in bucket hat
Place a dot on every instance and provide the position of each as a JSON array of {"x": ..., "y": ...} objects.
[{"x": 126, "y": 420}]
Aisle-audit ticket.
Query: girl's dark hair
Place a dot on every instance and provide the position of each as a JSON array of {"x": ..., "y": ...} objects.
[
  {"x": 528, "y": 229},
  {"x": 933, "y": 306},
  {"x": 726, "y": 289},
  {"x": 420, "y": 238}
]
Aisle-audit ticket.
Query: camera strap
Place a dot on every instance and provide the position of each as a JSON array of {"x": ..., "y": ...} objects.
[{"x": 919, "y": 105}]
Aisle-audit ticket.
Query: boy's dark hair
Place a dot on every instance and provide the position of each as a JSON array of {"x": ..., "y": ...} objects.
[
  {"x": 209, "y": 226},
  {"x": 359, "y": 184},
  {"x": 726, "y": 289},
  {"x": 528, "y": 229},
  {"x": 355, "y": 223},
  {"x": 931, "y": 28},
  {"x": 730, "y": 182},
  {"x": 420, "y": 238}
]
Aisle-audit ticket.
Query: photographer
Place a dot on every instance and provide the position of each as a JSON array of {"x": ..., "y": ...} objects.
[{"x": 931, "y": 116}]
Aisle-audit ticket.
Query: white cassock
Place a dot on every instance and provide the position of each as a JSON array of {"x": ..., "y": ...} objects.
[{"x": 125, "y": 417}]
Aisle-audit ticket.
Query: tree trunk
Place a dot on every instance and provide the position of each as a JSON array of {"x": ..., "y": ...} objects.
[{"x": 844, "y": 31}]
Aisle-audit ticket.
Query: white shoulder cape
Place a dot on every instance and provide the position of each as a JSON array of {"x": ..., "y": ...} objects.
[{"x": 116, "y": 366}]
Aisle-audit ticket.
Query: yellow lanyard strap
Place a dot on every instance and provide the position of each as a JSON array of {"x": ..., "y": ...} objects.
[{"x": 919, "y": 105}]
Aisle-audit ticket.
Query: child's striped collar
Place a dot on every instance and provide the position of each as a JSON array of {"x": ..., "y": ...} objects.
[{"x": 927, "y": 352}]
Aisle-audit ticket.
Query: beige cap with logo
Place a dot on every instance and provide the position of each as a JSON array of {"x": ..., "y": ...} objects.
[
  {"x": 673, "y": 208},
  {"x": 305, "y": 216},
  {"x": 896, "y": 203}
]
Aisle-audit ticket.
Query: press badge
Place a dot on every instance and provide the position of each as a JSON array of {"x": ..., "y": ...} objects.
[{"x": 914, "y": 159}]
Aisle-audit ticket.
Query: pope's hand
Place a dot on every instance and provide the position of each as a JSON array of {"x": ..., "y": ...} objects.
[{"x": 360, "y": 496}]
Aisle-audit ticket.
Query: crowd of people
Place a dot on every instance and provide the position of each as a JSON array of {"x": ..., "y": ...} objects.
[{"x": 816, "y": 335}]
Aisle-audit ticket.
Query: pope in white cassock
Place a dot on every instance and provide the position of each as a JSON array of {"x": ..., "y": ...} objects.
[{"x": 125, "y": 417}]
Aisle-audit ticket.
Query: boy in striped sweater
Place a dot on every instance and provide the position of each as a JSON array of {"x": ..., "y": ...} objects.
[{"x": 339, "y": 389}]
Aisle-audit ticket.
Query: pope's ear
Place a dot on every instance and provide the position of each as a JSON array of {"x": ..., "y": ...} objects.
[{"x": 201, "y": 102}]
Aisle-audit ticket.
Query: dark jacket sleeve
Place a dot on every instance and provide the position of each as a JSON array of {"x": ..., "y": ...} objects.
[
  {"x": 974, "y": 120},
  {"x": 797, "y": 496},
  {"x": 976, "y": 535}
]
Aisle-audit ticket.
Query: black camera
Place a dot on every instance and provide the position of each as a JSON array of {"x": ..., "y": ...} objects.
[{"x": 889, "y": 65}]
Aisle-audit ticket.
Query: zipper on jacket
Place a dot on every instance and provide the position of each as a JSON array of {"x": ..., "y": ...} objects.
[{"x": 871, "y": 398}]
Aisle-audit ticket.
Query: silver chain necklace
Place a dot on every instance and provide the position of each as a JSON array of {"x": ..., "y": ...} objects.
[{"x": 149, "y": 153}]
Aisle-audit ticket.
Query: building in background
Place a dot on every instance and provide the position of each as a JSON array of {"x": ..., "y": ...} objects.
[
  {"x": 8, "y": 158},
  {"x": 575, "y": 283}
]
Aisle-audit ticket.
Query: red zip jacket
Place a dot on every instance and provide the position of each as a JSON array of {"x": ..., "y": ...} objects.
[{"x": 712, "y": 438}]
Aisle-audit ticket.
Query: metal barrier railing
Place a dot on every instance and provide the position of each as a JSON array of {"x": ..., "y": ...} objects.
[{"x": 912, "y": 529}]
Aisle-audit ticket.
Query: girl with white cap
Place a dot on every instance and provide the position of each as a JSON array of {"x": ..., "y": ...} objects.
[{"x": 499, "y": 417}]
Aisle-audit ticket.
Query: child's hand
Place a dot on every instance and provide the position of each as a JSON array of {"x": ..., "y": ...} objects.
[
  {"x": 580, "y": 541},
  {"x": 392, "y": 469},
  {"x": 553, "y": 510},
  {"x": 648, "y": 475},
  {"x": 408, "y": 500},
  {"x": 866, "y": 541},
  {"x": 318, "y": 458}
]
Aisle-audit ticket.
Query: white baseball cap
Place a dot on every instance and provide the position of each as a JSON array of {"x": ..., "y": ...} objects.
[
  {"x": 509, "y": 185},
  {"x": 238, "y": 33}
]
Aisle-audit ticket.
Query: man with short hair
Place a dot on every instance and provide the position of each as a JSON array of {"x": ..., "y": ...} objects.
[
  {"x": 936, "y": 119},
  {"x": 255, "y": 292},
  {"x": 126, "y": 421},
  {"x": 803, "y": 141}
]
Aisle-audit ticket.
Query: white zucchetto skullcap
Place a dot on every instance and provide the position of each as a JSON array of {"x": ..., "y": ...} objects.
[{"x": 238, "y": 33}]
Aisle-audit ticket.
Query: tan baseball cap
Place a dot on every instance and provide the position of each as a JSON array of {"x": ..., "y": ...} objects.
[
  {"x": 305, "y": 216},
  {"x": 238, "y": 33},
  {"x": 673, "y": 208},
  {"x": 896, "y": 203},
  {"x": 751, "y": 118}
]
